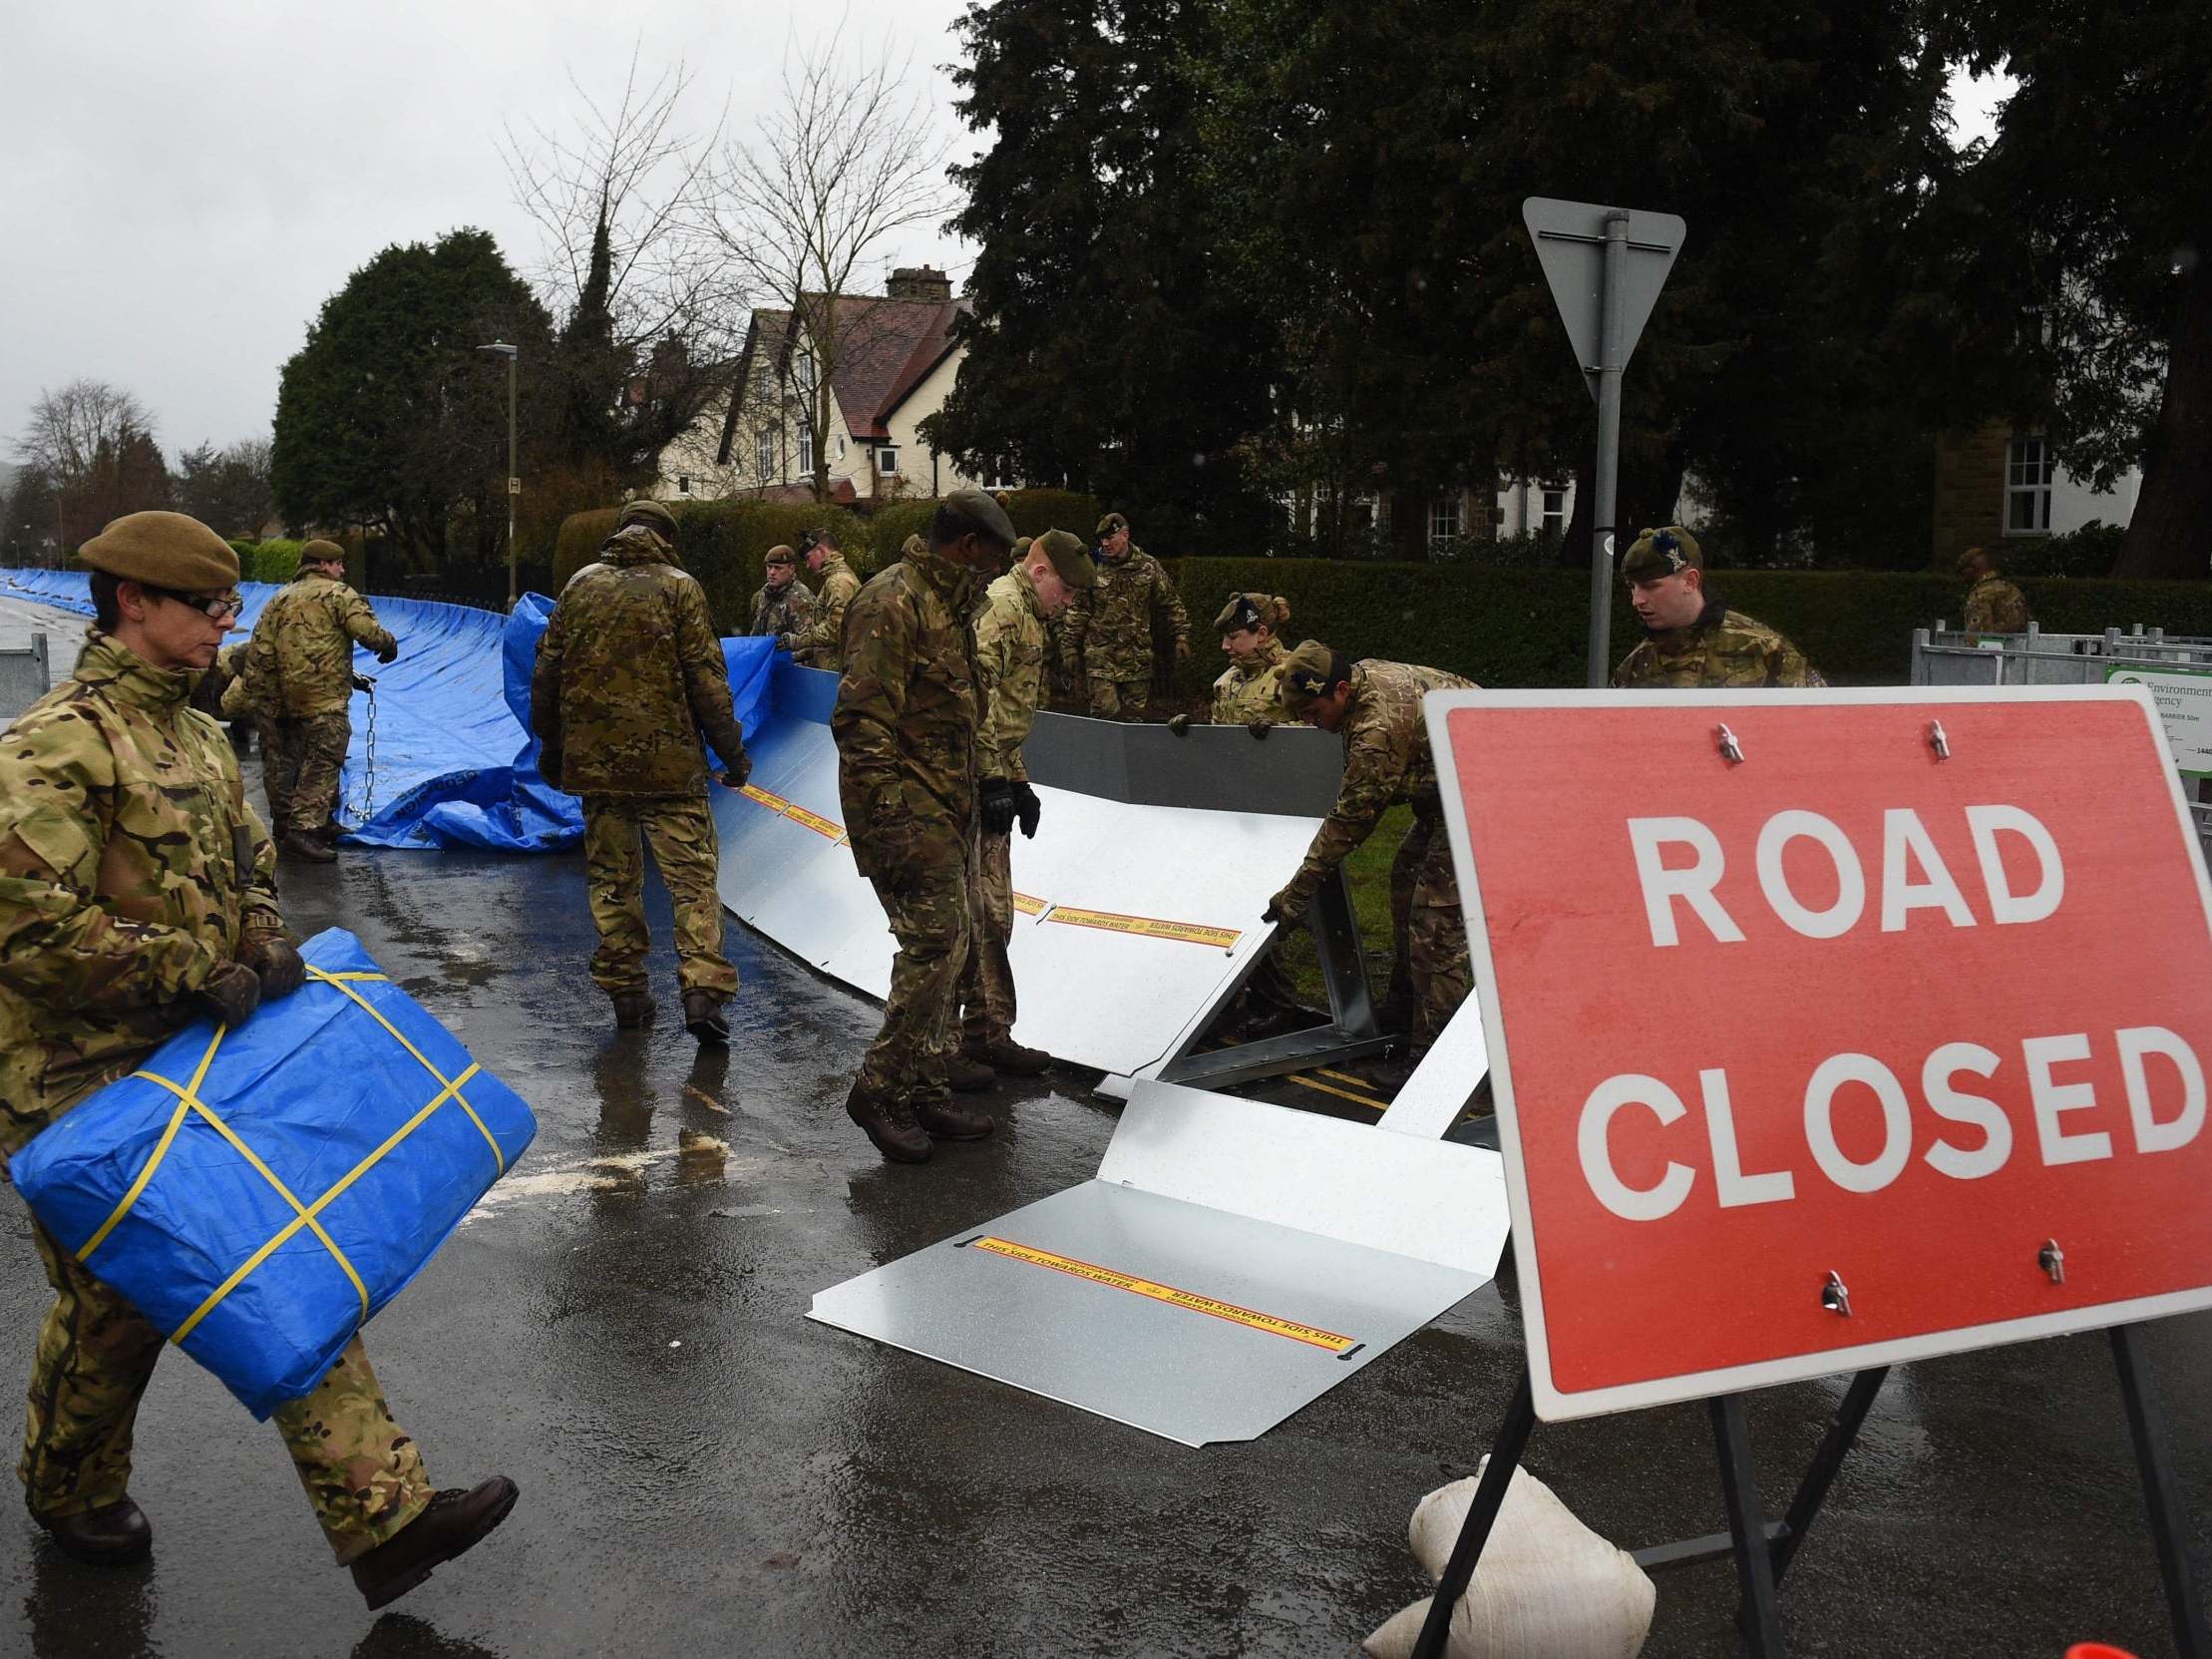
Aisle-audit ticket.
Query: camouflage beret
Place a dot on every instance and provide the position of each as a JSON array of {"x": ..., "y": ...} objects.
[
  {"x": 650, "y": 513},
  {"x": 320, "y": 551},
  {"x": 166, "y": 550},
  {"x": 1071, "y": 560},
  {"x": 780, "y": 554},
  {"x": 1659, "y": 553},
  {"x": 1310, "y": 672},
  {"x": 1111, "y": 523},
  {"x": 979, "y": 509}
]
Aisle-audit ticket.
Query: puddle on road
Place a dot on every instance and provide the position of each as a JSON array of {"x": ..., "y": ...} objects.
[{"x": 698, "y": 1159}]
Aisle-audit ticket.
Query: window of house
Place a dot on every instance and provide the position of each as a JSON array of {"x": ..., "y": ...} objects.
[
  {"x": 886, "y": 460},
  {"x": 840, "y": 448},
  {"x": 802, "y": 371},
  {"x": 1443, "y": 518},
  {"x": 806, "y": 448},
  {"x": 1554, "y": 521},
  {"x": 764, "y": 452},
  {"x": 2027, "y": 474},
  {"x": 683, "y": 486}
]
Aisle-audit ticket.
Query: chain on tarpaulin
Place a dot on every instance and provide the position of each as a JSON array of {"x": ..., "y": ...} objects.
[{"x": 361, "y": 808}]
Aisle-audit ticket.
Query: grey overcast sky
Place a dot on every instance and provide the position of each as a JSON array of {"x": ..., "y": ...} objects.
[{"x": 184, "y": 182}]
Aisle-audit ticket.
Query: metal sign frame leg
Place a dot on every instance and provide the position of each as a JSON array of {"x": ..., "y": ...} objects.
[
  {"x": 1760, "y": 1615},
  {"x": 2146, "y": 1428}
]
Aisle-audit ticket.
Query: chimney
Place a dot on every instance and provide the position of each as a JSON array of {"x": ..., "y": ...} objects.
[{"x": 923, "y": 282}]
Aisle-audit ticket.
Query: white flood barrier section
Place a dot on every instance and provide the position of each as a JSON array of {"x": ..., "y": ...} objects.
[
  {"x": 1230, "y": 1262},
  {"x": 1136, "y": 903}
]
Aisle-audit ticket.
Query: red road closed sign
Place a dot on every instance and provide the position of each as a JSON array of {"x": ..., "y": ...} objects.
[{"x": 1887, "y": 1040}]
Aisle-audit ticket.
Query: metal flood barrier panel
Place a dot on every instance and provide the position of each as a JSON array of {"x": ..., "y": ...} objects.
[
  {"x": 1230, "y": 1262},
  {"x": 23, "y": 677},
  {"x": 1137, "y": 905}
]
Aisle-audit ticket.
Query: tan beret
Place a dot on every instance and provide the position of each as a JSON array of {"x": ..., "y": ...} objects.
[
  {"x": 1309, "y": 673},
  {"x": 167, "y": 550},
  {"x": 781, "y": 554},
  {"x": 319, "y": 552}
]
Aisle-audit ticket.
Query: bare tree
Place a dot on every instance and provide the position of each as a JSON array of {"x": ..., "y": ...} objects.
[
  {"x": 94, "y": 443},
  {"x": 647, "y": 309},
  {"x": 850, "y": 155}
]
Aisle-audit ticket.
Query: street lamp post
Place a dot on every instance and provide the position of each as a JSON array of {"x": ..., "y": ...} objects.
[{"x": 514, "y": 478}]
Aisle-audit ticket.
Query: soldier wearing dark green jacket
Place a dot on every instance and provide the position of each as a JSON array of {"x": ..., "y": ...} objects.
[
  {"x": 904, "y": 726},
  {"x": 137, "y": 895},
  {"x": 1691, "y": 638},
  {"x": 629, "y": 679}
]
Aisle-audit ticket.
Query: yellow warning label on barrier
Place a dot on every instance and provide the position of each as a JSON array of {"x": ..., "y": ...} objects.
[
  {"x": 1029, "y": 906},
  {"x": 796, "y": 813},
  {"x": 1191, "y": 1301},
  {"x": 1147, "y": 927}
]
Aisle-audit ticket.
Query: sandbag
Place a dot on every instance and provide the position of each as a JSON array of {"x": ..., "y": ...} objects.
[
  {"x": 259, "y": 1193},
  {"x": 1547, "y": 1586}
]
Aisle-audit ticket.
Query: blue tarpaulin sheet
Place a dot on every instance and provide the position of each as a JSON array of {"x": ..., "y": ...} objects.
[
  {"x": 455, "y": 764},
  {"x": 259, "y": 1194}
]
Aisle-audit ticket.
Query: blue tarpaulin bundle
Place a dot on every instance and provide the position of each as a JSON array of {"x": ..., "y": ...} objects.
[
  {"x": 454, "y": 762},
  {"x": 259, "y": 1194}
]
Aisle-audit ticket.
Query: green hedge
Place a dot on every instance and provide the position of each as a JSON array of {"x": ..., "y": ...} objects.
[
  {"x": 1034, "y": 512},
  {"x": 722, "y": 543},
  {"x": 1528, "y": 628}
]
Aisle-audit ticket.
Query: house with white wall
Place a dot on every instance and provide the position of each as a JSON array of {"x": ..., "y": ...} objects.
[{"x": 893, "y": 361}]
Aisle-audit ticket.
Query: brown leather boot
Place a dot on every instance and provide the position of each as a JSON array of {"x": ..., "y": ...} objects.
[
  {"x": 702, "y": 1017},
  {"x": 890, "y": 1124},
  {"x": 632, "y": 1010},
  {"x": 454, "y": 1524},
  {"x": 112, "y": 1535},
  {"x": 949, "y": 1123},
  {"x": 968, "y": 1074},
  {"x": 303, "y": 845},
  {"x": 1005, "y": 1055}
]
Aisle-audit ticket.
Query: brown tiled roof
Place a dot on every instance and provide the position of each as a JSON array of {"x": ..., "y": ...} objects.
[{"x": 886, "y": 347}]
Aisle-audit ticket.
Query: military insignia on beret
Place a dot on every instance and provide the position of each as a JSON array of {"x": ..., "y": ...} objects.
[
  {"x": 1305, "y": 682},
  {"x": 1668, "y": 543}
]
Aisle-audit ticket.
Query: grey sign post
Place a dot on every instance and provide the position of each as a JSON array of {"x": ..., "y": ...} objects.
[{"x": 1605, "y": 267}]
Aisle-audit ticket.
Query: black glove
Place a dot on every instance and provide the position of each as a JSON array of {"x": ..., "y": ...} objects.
[
  {"x": 1029, "y": 808},
  {"x": 388, "y": 654},
  {"x": 1259, "y": 729},
  {"x": 996, "y": 798},
  {"x": 1180, "y": 724},
  {"x": 231, "y": 994},
  {"x": 733, "y": 776},
  {"x": 278, "y": 966}
]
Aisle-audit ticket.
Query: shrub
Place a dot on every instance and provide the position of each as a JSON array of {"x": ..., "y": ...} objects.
[
  {"x": 2091, "y": 551},
  {"x": 722, "y": 543},
  {"x": 275, "y": 559}
]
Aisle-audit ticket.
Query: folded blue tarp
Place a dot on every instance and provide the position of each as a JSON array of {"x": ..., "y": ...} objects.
[
  {"x": 455, "y": 764},
  {"x": 259, "y": 1194}
]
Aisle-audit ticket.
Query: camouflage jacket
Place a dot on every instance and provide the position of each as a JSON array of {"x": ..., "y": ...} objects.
[
  {"x": 906, "y": 719},
  {"x": 1387, "y": 762},
  {"x": 301, "y": 658},
  {"x": 1721, "y": 647},
  {"x": 782, "y": 611},
  {"x": 1108, "y": 632},
  {"x": 131, "y": 868},
  {"x": 1009, "y": 666},
  {"x": 1251, "y": 689},
  {"x": 630, "y": 676},
  {"x": 1994, "y": 605},
  {"x": 821, "y": 642}
]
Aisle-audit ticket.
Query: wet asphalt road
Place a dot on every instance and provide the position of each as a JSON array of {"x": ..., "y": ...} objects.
[{"x": 621, "y": 1329}]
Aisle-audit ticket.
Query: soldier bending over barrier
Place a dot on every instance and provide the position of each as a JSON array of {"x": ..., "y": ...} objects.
[
  {"x": 137, "y": 895},
  {"x": 905, "y": 727},
  {"x": 630, "y": 676}
]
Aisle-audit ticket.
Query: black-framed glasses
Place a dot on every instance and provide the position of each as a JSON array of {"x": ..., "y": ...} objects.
[{"x": 217, "y": 607}]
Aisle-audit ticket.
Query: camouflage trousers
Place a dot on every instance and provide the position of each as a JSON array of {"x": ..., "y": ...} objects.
[
  {"x": 1120, "y": 699},
  {"x": 928, "y": 911},
  {"x": 363, "y": 1473},
  {"x": 300, "y": 759},
  {"x": 987, "y": 982},
  {"x": 680, "y": 832},
  {"x": 1430, "y": 969}
]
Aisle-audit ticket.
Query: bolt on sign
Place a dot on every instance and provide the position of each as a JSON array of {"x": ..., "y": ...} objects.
[{"x": 1836, "y": 1029}]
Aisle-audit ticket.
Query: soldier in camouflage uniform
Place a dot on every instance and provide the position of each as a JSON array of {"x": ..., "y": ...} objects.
[
  {"x": 630, "y": 676},
  {"x": 299, "y": 680},
  {"x": 1690, "y": 636},
  {"x": 1994, "y": 606},
  {"x": 783, "y": 602},
  {"x": 137, "y": 893},
  {"x": 1107, "y": 637},
  {"x": 904, "y": 726},
  {"x": 821, "y": 643},
  {"x": 1375, "y": 708},
  {"x": 1009, "y": 665}
]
